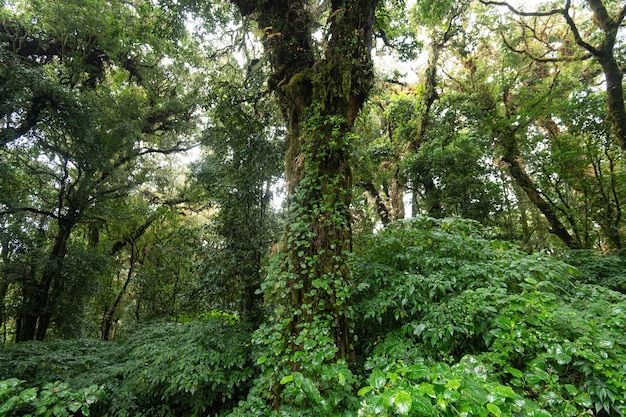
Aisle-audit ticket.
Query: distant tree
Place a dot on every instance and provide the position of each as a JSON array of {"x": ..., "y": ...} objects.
[
  {"x": 88, "y": 94},
  {"x": 589, "y": 29}
]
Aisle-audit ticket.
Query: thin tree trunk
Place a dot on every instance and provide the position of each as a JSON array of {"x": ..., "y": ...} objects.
[
  {"x": 523, "y": 180},
  {"x": 107, "y": 318},
  {"x": 39, "y": 300},
  {"x": 378, "y": 201}
]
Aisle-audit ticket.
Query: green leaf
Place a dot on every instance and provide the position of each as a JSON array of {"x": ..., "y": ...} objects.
[
  {"x": 505, "y": 391},
  {"x": 286, "y": 379},
  {"x": 453, "y": 384},
  {"x": 476, "y": 392},
  {"x": 403, "y": 402},
  {"x": 74, "y": 407},
  {"x": 8, "y": 405},
  {"x": 494, "y": 409},
  {"x": 342, "y": 378},
  {"x": 29, "y": 394},
  {"x": 364, "y": 390},
  {"x": 377, "y": 405},
  {"x": 515, "y": 372},
  {"x": 571, "y": 390},
  {"x": 563, "y": 358},
  {"x": 423, "y": 406},
  {"x": 377, "y": 379},
  {"x": 583, "y": 399}
]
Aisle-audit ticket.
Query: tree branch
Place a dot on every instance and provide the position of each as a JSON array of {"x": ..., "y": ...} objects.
[
  {"x": 28, "y": 210},
  {"x": 522, "y": 13},
  {"x": 579, "y": 40},
  {"x": 542, "y": 59}
]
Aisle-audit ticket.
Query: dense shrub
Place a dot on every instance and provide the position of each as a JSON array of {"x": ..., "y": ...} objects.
[
  {"x": 436, "y": 296},
  {"x": 449, "y": 322},
  {"x": 52, "y": 399},
  {"x": 159, "y": 369},
  {"x": 606, "y": 269}
]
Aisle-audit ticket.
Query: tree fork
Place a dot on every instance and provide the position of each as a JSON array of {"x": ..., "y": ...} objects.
[{"x": 310, "y": 285}]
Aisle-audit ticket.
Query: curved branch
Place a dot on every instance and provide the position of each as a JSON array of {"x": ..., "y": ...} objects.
[
  {"x": 541, "y": 59},
  {"x": 579, "y": 40},
  {"x": 28, "y": 210},
  {"x": 522, "y": 13},
  {"x": 619, "y": 20}
]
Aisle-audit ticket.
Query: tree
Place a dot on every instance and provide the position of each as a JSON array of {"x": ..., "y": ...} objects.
[
  {"x": 243, "y": 161},
  {"x": 600, "y": 42},
  {"x": 320, "y": 87},
  {"x": 85, "y": 105}
]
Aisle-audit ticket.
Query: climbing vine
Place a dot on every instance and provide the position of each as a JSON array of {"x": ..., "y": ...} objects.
[
  {"x": 309, "y": 284},
  {"x": 306, "y": 343}
]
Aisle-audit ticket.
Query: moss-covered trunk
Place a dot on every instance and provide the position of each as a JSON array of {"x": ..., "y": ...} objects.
[{"x": 320, "y": 94}]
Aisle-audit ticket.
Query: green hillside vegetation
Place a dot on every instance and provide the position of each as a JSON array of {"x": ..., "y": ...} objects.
[
  {"x": 264, "y": 208},
  {"x": 448, "y": 321}
]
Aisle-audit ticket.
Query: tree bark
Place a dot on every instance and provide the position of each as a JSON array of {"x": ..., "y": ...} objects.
[
  {"x": 511, "y": 158},
  {"x": 382, "y": 208},
  {"x": 39, "y": 298},
  {"x": 107, "y": 319},
  {"x": 320, "y": 99},
  {"x": 432, "y": 194}
]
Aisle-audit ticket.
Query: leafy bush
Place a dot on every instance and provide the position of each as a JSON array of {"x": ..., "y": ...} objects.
[
  {"x": 465, "y": 389},
  {"x": 608, "y": 270},
  {"x": 171, "y": 369},
  {"x": 53, "y": 399},
  {"x": 158, "y": 369},
  {"x": 438, "y": 292}
]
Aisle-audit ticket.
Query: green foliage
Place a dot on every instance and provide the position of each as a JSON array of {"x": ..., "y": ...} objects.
[
  {"x": 304, "y": 357},
  {"x": 53, "y": 399},
  {"x": 414, "y": 269},
  {"x": 182, "y": 369},
  {"x": 433, "y": 13},
  {"x": 450, "y": 169},
  {"x": 419, "y": 389},
  {"x": 235, "y": 177},
  {"x": 607, "y": 270},
  {"x": 159, "y": 369},
  {"x": 391, "y": 24},
  {"x": 440, "y": 292},
  {"x": 94, "y": 94}
]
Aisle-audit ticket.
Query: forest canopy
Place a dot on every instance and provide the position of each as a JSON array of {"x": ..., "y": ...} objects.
[{"x": 346, "y": 208}]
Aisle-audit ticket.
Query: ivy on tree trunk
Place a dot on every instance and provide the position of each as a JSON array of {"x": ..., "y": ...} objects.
[{"x": 320, "y": 94}]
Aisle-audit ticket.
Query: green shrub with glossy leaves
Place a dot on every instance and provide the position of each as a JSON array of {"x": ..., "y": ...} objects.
[
  {"x": 435, "y": 294},
  {"x": 605, "y": 269},
  {"x": 56, "y": 399}
]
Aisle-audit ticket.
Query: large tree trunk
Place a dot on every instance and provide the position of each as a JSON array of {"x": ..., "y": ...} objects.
[
  {"x": 309, "y": 287},
  {"x": 613, "y": 74}
]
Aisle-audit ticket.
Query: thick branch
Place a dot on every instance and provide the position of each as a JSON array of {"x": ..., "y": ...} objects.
[
  {"x": 28, "y": 210},
  {"x": 381, "y": 207},
  {"x": 579, "y": 40},
  {"x": 31, "y": 119}
]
